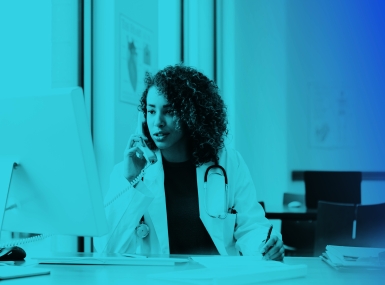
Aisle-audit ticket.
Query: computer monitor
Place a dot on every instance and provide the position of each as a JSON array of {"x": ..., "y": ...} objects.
[{"x": 54, "y": 189}]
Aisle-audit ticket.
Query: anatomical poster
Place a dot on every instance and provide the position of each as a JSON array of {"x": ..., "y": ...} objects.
[
  {"x": 331, "y": 117},
  {"x": 136, "y": 57}
]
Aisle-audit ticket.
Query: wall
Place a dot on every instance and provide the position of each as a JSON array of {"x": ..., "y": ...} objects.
[
  {"x": 115, "y": 119},
  {"x": 40, "y": 50},
  {"x": 25, "y": 56},
  {"x": 225, "y": 63},
  {"x": 260, "y": 94},
  {"x": 335, "y": 88},
  {"x": 308, "y": 79},
  {"x": 169, "y": 33},
  {"x": 198, "y": 46}
]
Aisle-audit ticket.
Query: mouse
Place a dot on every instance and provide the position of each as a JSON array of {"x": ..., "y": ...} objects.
[
  {"x": 294, "y": 204},
  {"x": 13, "y": 253}
]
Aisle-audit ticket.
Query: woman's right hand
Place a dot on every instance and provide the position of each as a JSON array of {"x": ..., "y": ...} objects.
[{"x": 133, "y": 161}]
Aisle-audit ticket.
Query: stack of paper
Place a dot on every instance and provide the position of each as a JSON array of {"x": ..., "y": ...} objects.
[
  {"x": 230, "y": 270},
  {"x": 354, "y": 257}
]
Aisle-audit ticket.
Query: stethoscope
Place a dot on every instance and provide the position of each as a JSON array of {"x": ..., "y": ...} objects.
[
  {"x": 142, "y": 230},
  {"x": 220, "y": 216}
]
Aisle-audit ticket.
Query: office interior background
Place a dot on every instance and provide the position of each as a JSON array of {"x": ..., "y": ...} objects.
[{"x": 303, "y": 81}]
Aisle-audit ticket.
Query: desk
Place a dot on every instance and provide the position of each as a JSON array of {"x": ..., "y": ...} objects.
[
  {"x": 318, "y": 273},
  {"x": 283, "y": 212},
  {"x": 297, "y": 228}
]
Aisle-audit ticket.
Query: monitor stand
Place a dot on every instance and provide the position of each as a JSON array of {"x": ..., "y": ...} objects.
[
  {"x": 7, "y": 272},
  {"x": 6, "y": 169}
]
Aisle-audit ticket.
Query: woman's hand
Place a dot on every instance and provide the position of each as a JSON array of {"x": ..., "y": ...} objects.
[
  {"x": 134, "y": 160},
  {"x": 273, "y": 249}
]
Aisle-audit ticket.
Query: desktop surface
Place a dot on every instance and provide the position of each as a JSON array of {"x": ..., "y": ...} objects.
[
  {"x": 284, "y": 212},
  {"x": 318, "y": 273}
]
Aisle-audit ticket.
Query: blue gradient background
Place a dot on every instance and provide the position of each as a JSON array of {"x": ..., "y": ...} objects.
[
  {"x": 281, "y": 47},
  {"x": 340, "y": 44}
]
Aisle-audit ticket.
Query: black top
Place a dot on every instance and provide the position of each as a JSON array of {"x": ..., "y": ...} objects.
[{"x": 186, "y": 232}]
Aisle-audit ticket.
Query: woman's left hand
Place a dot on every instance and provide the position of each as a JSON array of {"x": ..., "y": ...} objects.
[{"x": 273, "y": 249}]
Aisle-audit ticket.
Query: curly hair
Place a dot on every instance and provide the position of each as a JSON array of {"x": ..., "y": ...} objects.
[{"x": 198, "y": 108}]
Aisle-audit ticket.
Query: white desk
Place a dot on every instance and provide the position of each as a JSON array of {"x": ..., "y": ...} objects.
[{"x": 318, "y": 273}]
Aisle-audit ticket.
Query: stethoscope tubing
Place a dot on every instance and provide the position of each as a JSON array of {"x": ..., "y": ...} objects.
[
  {"x": 220, "y": 216},
  {"x": 142, "y": 230}
]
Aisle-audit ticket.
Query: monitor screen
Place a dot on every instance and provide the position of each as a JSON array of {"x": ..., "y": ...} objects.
[{"x": 54, "y": 189}]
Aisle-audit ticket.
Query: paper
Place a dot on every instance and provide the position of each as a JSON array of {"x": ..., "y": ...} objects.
[
  {"x": 112, "y": 260},
  {"x": 343, "y": 256},
  {"x": 227, "y": 276},
  {"x": 230, "y": 270},
  {"x": 235, "y": 261},
  {"x": 9, "y": 272}
]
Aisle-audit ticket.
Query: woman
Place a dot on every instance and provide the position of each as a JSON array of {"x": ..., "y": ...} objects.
[{"x": 169, "y": 210}]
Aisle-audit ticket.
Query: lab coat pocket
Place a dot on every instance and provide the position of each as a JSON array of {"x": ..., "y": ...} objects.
[{"x": 228, "y": 230}]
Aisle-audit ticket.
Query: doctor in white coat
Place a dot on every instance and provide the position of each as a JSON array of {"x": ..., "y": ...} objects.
[{"x": 168, "y": 208}]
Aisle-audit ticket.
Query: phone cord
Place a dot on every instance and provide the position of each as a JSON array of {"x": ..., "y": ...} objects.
[
  {"x": 23, "y": 241},
  {"x": 132, "y": 184}
]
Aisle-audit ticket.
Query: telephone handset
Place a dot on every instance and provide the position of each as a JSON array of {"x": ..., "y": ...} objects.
[{"x": 147, "y": 153}]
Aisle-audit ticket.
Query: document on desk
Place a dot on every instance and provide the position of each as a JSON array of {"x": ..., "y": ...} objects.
[
  {"x": 230, "y": 270},
  {"x": 112, "y": 260},
  {"x": 353, "y": 257},
  {"x": 12, "y": 271}
]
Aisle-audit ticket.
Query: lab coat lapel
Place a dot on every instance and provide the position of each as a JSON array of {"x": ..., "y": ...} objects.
[
  {"x": 214, "y": 226},
  {"x": 154, "y": 180}
]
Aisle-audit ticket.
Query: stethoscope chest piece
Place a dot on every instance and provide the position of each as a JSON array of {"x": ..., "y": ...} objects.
[{"x": 142, "y": 230}]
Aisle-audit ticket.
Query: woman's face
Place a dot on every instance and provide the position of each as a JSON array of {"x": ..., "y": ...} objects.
[{"x": 162, "y": 125}]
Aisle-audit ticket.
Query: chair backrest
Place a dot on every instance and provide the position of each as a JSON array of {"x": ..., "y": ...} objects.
[
  {"x": 371, "y": 225},
  {"x": 334, "y": 225},
  {"x": 332, "y": 186}
]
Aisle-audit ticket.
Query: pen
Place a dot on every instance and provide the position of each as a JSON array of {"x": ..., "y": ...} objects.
[
  {"x": 268, "y": 237},
  {"x": 269, "y": 233}
]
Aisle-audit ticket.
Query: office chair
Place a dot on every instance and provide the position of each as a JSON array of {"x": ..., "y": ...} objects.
[
  {"x": 370, "y": 231},
  {"x": 298, "y": 236},
  {"x": 334, "y": 226},
  {"x": 332, "y": 186}
]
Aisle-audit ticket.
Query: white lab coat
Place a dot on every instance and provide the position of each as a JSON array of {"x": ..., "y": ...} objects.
[{"x": 241, "y": 232}]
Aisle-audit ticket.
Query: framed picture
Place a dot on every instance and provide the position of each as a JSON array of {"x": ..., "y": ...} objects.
[{"x": 135, "y": 59}]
